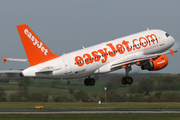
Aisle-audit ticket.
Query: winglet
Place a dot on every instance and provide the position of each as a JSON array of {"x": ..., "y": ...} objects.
[
  {"x": 4, "y": 59},
  {"x": 172, "y": 51}
]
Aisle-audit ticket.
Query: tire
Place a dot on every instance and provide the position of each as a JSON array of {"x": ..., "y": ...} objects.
[
  {"x": 124, "y": 81},
  {"x": 92, "y": 81},
  {"x": 86, "y": 82},
  {"x": 129, "y": 80}
]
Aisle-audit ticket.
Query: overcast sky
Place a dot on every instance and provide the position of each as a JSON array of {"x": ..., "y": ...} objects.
[{"x": 67, "y": 25}]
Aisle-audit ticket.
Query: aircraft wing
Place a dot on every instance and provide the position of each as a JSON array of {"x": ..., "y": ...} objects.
[
  {"x": 135, "y": 58},
  {"x": 15, "y": 59},
  {"x": 10, "y": 71}
]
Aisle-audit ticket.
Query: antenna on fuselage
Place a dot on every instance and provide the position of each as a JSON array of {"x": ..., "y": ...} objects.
[
  {"x": 83, "y": 47},
  {"x": 147, "y": 29}
]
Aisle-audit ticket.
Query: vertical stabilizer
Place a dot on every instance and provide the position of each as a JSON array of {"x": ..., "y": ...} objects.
[{"x": 36, "y": 51}]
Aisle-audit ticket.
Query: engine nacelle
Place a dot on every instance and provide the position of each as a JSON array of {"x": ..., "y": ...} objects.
[{"x": 155, "y": 63}]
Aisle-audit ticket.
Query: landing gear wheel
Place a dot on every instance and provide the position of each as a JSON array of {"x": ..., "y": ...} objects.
[
  {"x": 127, "y": 80},
  {"x": 124, "y": 81},
  {"x": 87, "y": 82},
  {"x": 92, "y": 81}
]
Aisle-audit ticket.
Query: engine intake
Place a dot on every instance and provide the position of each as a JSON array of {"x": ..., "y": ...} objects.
[
  {"x": 147, "y": 66},
  {"x": 21, "y": 74}
]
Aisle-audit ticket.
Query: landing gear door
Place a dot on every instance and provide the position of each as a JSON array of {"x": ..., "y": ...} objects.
[
  {"x": 161, "y": 40},
  {"x": 67, "y": 66}
]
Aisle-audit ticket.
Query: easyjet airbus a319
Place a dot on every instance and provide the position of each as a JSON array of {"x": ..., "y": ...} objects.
[{"x": 145, "y": 49}]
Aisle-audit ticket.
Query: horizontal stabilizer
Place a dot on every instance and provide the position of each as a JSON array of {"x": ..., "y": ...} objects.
[
  {"x": 11, "y": 71},
  {"x": 15, "y": 59}
]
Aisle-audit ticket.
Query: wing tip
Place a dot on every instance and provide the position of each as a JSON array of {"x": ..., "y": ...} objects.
[
  {"x": 172, "y": 51},
  {"x": 4, "y": 59}
]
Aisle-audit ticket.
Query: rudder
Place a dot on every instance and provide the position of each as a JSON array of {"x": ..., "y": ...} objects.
[{"x": 36, "y": 51}]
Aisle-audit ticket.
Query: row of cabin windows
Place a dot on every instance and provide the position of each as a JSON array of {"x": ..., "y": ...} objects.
[
  {"x": 99, "y": 56},
  {"x": 116, "y": 51}
]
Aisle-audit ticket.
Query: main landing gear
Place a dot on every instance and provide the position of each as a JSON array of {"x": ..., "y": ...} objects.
[
  {"x": 127, "y": 80},
  {"x": 89, "y": 81}
]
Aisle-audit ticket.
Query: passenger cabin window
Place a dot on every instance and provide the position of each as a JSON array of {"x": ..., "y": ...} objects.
[{"x": 167, "y": 35}]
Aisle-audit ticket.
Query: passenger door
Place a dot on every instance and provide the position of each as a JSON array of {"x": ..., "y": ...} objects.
[
  {"x": 67, "y": 66},
  {"x": 161, "y": 40}
]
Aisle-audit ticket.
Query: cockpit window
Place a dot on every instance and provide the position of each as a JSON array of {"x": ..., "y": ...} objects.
[{"x": 167, "y": 35}]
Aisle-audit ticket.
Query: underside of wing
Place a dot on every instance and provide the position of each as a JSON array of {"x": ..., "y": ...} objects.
[{"x": 136, "y": 58}]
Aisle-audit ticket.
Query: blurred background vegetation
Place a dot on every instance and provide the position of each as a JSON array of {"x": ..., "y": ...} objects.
[{"x": 147, "y": 87}]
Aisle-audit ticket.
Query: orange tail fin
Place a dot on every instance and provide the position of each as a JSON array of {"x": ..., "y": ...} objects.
[{"x": 36, "y": 51}]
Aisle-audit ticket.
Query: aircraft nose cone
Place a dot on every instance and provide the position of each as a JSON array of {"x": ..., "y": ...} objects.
[{"x": 173, "y": 40}]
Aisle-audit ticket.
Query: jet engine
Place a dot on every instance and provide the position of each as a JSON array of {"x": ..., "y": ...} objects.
[{"x": 155, "y": 63}]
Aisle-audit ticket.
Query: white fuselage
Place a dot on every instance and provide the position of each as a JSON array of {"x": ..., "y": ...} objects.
[{"x": 98, "y": 59}]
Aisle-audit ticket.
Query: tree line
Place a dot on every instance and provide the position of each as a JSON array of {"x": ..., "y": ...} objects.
[{"x": 155, "y": 88}]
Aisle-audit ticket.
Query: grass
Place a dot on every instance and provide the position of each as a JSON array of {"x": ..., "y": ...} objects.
[
  {"x": 90, "y": 116},
  {"x": 90, "y": 106},
  {"x": 9, "y": 86},
  {"x": 61, "y": 88}
]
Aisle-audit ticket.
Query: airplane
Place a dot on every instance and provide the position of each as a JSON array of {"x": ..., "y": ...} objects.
[{"x": 146, "y": 49}]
